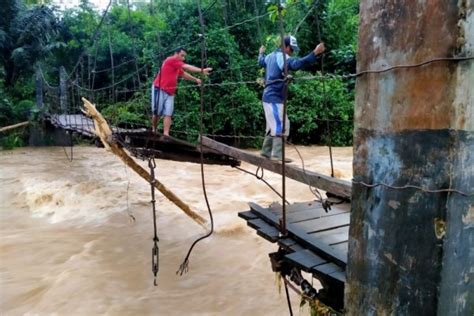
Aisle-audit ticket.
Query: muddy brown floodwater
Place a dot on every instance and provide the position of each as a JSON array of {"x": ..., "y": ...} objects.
[{"x": 68, "y": 247}]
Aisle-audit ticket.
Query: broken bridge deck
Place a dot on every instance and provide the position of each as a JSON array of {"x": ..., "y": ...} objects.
[{"x": 316, "y": 242}]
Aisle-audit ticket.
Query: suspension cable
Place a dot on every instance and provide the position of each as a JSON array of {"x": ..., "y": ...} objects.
[{"x": 94, "y": 39}]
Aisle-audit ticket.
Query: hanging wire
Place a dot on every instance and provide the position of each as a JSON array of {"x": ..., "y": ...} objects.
[
  {"x": 410, "y": 186},
  {"x": 260, "y": 37},
  {"x": 130, "y": 215},
  {"x": 325, "y": 100},
  {"x": 184, "y": 267},
  {"x": 260, "y": 177},
  {"x": 283, "y": 134},
  {"x": 313, "y": 190},
  {"x": 94, "y": 38}
]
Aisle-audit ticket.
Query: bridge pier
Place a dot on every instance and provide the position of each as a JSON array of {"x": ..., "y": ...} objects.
[
  {"x": 46, "y": 134},
  {"x": 410, "y": 250}
]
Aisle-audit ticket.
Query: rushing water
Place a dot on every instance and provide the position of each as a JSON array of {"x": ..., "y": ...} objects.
[{"x": 68, "y": 246}]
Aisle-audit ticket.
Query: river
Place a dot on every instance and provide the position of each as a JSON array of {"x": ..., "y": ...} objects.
[{"x": 68, "y": 245}]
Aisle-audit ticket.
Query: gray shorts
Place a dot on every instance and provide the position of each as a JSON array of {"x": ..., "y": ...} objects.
[{"x": 162, "y": 104}]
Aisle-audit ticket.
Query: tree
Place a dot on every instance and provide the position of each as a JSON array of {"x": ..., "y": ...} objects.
[{"x": 26, "y": 36}]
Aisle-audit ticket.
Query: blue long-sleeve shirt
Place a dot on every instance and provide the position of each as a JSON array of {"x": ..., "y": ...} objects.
[{"x": 274, "y": 73}]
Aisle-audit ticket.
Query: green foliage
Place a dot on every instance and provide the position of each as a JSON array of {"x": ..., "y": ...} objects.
[
  {"x": 126, "y": 113},
  {"x": 6, "y": 109},
  {"x": 312, "y": 102},
  {"x": 11, "y": 141},
  {"x": 143, "y": 37}
]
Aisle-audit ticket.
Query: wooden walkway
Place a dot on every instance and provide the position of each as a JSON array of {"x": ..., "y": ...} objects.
[
  {"x": 81, "y": 124},
  {"x": 73, "y": 122},
  {"x": 317, "y": 242},
  {"x": 338, "y": 187},
  {"x": 142, "y": 143}
]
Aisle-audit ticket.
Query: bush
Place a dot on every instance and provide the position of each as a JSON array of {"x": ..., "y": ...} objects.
[
  {"x": 129, "y": 113},
  {"x": 11, "y": 141},
  {"x": 312, "y": 102}
]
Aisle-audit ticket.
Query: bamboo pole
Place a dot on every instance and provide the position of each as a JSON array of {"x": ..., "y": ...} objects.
[
  {"x": 6, "y": 128},
  {"x": 104, "y": 132}
]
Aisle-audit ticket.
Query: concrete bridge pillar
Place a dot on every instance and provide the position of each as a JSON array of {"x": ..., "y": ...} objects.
[{"x": 411, "y": 250}]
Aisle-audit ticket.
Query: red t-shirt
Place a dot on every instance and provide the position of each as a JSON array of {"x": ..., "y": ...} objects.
[{"x": 172, "y": 68}]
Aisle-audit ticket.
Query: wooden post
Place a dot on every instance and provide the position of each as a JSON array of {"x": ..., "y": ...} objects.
[
  {"x": 103, "y": 130},
  {"x": 63, "y": 89},
  {"x": 411, "y": 251},
  {"x": 39, "y": 89}
]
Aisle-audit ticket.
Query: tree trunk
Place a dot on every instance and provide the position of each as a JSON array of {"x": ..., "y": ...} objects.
[{"x": 103, "y": 130}]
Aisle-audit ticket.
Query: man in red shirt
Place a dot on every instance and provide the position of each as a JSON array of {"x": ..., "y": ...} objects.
[{"x": 164, "y": 87}]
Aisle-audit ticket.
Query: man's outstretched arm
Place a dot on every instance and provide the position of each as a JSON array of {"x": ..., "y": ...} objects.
[
  {"x": 187, "y": 76},
  {"x": 298, "y": 63},
  {"x": 192, "y": 68}
]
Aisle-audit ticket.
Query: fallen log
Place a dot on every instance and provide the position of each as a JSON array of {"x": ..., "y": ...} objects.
[
  {"x": 103, "y": 131},
  {"x": 6, "y": 128}
]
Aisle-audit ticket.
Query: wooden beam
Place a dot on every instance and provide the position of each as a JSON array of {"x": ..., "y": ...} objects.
[
  {"x": 6, "y": 128},
  {"x": 332, "y": 185},
  {"x": 103, "y": 130}
]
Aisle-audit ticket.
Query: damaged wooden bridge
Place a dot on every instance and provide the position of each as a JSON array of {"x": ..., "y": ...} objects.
[
  {"x": 316, "y": 242},
  {"x": 317, "y": 235},
  {"x": 142, "y": 143}
]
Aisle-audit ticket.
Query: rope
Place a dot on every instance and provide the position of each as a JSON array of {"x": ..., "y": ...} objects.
[{"x": 184, "y": 267}]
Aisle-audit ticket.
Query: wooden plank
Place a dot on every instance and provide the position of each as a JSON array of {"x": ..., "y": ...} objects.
[
  {"x": 328, "y": 268},
  {"x": 247, "y": 215},
  {"x": 333, "y": 236},
  {"x": 324, "y": 223},
  {"x": 335, "y": 186},
  {"x": 146, "y": 144},
  {"x": 311, "y": 214},
  {"x": 269, "y": 233},
  {"x": 296, "y": 247},
  {"x": 307, "y": 240},
  {"x": 289, "y": 244},
  {"x": 339, "y": 275},
  {"x": 341, "y": 248},
  {"x": 295, "y": 207},
  {"x": 305, "y": 259},
  {"x": 256, "y": 223}
]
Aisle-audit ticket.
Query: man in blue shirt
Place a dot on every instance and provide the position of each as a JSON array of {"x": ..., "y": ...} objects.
[{"x": 274, "y": 92}]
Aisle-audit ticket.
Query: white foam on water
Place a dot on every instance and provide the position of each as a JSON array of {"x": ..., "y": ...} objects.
[{"x": 83, "y": 202}]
